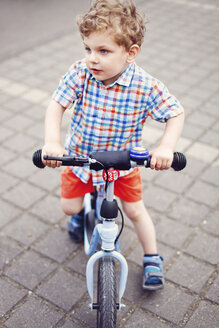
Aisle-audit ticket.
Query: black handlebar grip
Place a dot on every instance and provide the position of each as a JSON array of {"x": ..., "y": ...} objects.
[
  {"x": 178, "y": 164},
  {"x": 179, "y": 161},
  {"x": 37, "y": 159}
]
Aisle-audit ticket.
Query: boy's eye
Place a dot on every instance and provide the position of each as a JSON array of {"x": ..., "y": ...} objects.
[
  {"x": 87, "y": 49},
  {"x": 104, "y": 51}
]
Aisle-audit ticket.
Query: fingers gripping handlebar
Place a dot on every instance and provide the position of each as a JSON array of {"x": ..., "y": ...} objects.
[{"x": 120, "y": 160}]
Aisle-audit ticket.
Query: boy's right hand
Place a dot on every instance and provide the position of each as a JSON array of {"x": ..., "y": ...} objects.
[{"x": 53, "y": 149}]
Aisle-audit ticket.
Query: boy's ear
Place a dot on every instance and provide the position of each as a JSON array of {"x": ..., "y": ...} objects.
[{"x": 133, "y": 53}]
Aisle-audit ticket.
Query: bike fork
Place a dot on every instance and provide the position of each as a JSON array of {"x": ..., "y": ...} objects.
[{"x": 90, "y": 274}]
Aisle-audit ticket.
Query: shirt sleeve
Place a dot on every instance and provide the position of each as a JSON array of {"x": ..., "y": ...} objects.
[
  {"x": 66, "y": 93},
  {"x": 161, "y": 104}
]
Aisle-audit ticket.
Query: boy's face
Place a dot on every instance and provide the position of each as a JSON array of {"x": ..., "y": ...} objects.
[{"x": 105, "y": 59}]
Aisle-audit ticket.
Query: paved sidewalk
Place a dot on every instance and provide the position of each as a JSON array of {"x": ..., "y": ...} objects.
[{"x": 42, "y": 273}]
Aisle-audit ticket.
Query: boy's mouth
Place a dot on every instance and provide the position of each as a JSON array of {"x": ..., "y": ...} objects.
[{"x": 95, "y": 71}]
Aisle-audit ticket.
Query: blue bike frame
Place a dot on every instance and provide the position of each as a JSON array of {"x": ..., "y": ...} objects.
[{"x": 107, "y": 231}]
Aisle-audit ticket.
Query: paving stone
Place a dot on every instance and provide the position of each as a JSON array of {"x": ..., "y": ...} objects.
[
  {"x": 211, "y": 138},
  {"x": 158, "y": 198},
  {"x": 126, "y": 240},
  {"x": 9, "y": 249},
  {"x": 47, "y": 178},
  {"x": 213, "y": 292},
  {"x": 35, "y": 96},
  {"x": 26, "y": 229},
  {"x": 24, "y": 195},
  {"x": 85, "y": 315},
  {"x": 199, "y": 247},
  {"x": 19, "y": 143},
  {"x": 57, "y": 251},
  {"x": 6, "y": 182},
  {"x": 170, "y": 303},
  {"x": 151, "y": 135},
  {"x": 17, "y": 105},
  {"x": 212, "y": 224},
  {"x": 173, "y": 181},
  {"x": 35, "y": 112},
  {"x": 79, "y": 262},
  {"x": 20, "y": 168},
  {"x": 63, "y": 289},
  {"x": 192, "y": 131},
  {"x": 188, "y": 212},
  {"x": 205, "y": 316},
  {"x": 166, "y": 252},
  {"x": 36, "y": 131},
  {"x": 148, "y": 175},
  {"x": 189, "y": 273},
  {"x": 14, "y": 62},
  {"x": 182, "y": 145},
  {"x": 15, "y": 89},
  {"x": 136, "y": 255},
  {"x": 211, "y": 175},
  {"x": 10, "y": 296},
  {"x": 6, "y": 156},
  {"x": 4, "y": 114},
  {"x": 33, "y": 81},
  {"x": 70, "y": 324},
  {"x": 4, "y": 83},
  {"x": 16, "y": 75},
  {"x": 189, "y": 102},
  {"x": 203, "y": 152},
  {"x": 134, "y": 290},
  {"x": 29, "y": 55},
  {"x": 4, "y": 98},
  {"x": 5, "y": 133},
  {"x": 194, "y": 166},
  {"x": 172, "y": 233},
  {"x": 88, "y": 317},
  {"x": 18, "y": 123},
  {"x": 211, "y": 105},
  {"x": 8, "y": 213},
  {"x": 30, "y": 269},
  {"x": 203, "y": 193},
  {"x": 34, "y": 314},
  {"x": 141, "y": 320},
  {"x": 48, "y": 209}
]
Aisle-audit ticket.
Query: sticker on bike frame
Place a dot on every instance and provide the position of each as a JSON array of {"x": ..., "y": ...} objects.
[{"x": 113, "y": 175}]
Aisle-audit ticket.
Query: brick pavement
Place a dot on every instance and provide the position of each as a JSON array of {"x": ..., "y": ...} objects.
[{"x": 42, "y": 273}]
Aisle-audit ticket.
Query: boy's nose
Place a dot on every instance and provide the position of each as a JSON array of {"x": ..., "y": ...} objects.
[{"x": 93, "y": 58}]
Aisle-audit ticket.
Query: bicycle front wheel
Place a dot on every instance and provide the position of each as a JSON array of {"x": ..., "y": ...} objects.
[{"x": 106, "y": 293}]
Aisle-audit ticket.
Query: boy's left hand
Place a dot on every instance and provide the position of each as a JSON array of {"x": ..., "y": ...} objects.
[{"x": 161, "y": 158}]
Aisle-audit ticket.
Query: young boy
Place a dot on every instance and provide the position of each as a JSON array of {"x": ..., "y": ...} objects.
[{"x": 111, "y": 98}]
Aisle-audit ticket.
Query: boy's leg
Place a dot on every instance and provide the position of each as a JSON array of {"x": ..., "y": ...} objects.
[
  {"x": 73, "y": 207},
  {"x": 129, "y": 190},
  {"x": 144, "y": 227},
  {"x": 143, "y": 224},
  {"x": 72, "y": 197}
]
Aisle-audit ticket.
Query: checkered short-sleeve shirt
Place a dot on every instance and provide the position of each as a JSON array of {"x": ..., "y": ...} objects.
[{"x": 110, "y": 117}]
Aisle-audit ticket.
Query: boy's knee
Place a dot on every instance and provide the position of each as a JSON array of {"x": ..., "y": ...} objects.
[
  {"x": 71, "y": 206},
  {"x": 133, "y": 210}
]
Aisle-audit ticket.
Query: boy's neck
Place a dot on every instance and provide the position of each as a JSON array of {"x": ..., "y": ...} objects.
[{"x": 115, "y": 78}]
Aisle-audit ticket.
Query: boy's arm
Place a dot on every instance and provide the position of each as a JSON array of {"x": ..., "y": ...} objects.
[
  {"x": 53, "y": 120},
  {"x": 162, "y": 156}
]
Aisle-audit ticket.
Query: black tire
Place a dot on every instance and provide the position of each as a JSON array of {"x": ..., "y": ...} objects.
[{"x": 106, "y": 293}]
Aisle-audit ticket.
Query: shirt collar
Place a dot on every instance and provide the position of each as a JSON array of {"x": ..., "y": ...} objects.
[{"x": 124, "y": 79}]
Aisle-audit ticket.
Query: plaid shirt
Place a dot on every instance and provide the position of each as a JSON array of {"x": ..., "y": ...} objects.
[{"x": 110, "y": 117}]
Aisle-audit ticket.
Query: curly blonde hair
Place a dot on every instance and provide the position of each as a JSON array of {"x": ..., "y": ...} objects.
[{"x": 121, "y": 16}]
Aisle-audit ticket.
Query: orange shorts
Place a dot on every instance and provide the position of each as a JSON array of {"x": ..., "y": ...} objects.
[{"x": 127, "y": 188}]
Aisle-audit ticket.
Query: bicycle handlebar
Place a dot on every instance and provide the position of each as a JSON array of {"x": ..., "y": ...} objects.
[{"x": 119, "y": 160}]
